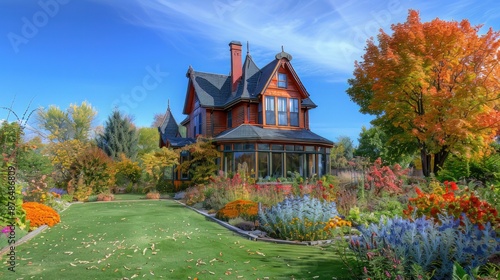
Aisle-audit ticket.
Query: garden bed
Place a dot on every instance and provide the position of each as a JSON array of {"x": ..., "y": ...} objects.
[{"x": 251, "y": 235}]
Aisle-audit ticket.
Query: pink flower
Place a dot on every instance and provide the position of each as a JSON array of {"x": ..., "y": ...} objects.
[{"x": 6, "y": 230}]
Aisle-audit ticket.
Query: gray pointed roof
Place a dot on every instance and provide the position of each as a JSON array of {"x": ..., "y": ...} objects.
[
  {"x": 169, "y": 132},
  {"x": 249, "y": 132},
  {"x": 169, "y": 126},
  {"x": 214, "y": 90}
]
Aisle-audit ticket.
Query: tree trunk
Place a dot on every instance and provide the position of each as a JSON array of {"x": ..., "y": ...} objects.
[
  {"x": 439, "y": 159},
  {"x": 426, "y": 161}
]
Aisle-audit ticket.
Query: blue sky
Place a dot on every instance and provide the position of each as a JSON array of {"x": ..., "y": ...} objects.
[{"x": 134, "y": 54}]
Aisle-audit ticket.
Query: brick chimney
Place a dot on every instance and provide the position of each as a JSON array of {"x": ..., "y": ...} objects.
[{"x": 236, "y": 68}]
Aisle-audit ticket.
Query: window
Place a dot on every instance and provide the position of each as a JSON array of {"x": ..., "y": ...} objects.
[
  {"x": 270, "y": 115},
  {"x": 276, "y": 165},
  {"x": 197, "y": 125},
  {"x": 282, "y": 113},
  {"x": 229, "y": 119},
  {"x": 195, "y": 122},
  {"x": 263, "y": 158},
  {"x": 259, "y": 108},
  {"x": 282, "y": 80},
  {"x": 294, "y": 111}
]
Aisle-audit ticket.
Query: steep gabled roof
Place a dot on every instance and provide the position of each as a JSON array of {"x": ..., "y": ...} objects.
[
  {"x": 169, "y": 132},
  {"x": 247, "y": 132},
  {"x": 169, "y": 126},
  {"x": 214, "y": 90},
  {"x": 251, "y": 75},
  {"x": 266, "y": 74}
]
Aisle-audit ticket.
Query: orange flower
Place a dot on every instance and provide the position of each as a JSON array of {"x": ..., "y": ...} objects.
[{"x": 39, "y": 214}]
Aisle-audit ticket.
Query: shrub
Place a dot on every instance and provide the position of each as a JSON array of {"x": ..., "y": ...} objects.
[
  {"x": 128, "y": 172},
  {"x": 431, "y": 246},
  {"x": 453, "y": 201},
  {"x": 222, "y": 190},
  {"x": 153, "y": 195},
  {"x": 298, "y": 218},
  {"x": 380, "y": 177},
  {"x": 39, "y": 214},
  {"x": 96, "y": 170},
  {"x": 105, "y": 196},
  {"x": 92, "y": 198},
  {"x": 67, "y": 197},
  {"x": 245, "y": 209},
  {"x": 194, "y": 195}
]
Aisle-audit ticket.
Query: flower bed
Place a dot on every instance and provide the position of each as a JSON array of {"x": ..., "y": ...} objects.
[{"x": 39, "y": 214}]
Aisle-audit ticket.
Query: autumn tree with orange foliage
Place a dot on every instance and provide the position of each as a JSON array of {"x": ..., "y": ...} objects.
[{"x": 433, "y": 86}]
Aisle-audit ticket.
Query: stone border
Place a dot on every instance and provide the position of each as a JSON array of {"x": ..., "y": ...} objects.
[
  {"x": 24, "y": 239},
  {"x": 31, "y": 234},
  {"x": 255, "y": 237}
]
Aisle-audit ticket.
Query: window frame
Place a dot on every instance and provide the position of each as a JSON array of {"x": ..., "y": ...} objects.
[
  {"x": 282, "y": 80},
  {"x": 294, "y": 111},
  {"x": 270, "y": 107},
  {"x": 282, "y": 114}
]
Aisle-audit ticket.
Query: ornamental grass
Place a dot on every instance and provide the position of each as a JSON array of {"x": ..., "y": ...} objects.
[{"x": 39, "y": 214}]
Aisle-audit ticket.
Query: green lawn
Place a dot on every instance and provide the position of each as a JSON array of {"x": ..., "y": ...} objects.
[
  {"x": 130, "y": 196},
  {"x": 160, "y": 239}
]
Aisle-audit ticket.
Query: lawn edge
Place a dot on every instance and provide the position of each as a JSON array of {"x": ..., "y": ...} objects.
[
  {"x": 24, "y": 239},
  {"x": 252, "y": 236}
]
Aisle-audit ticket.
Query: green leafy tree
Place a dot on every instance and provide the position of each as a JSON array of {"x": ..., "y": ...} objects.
[
  {"x": 372, "y": 143},
  {"x": 128, "y": 172},
  {"x": 433, "y": 86},
  {"x": 119, "y": 136},
  {"x": 32, "y": 161},
  {"x": 201, "y": 165},
  {"x": 342, "y": 152},
  {"x": 10, "y": 191},
  {"x": 485, "y": 170},
  {"x": 157, "y": 164},
  {"x": 148, "y": 140},
  {"x": 74, "y": 123}
]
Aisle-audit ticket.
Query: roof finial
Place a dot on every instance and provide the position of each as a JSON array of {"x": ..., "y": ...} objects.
[
  {"x": 282, "y": 48},
  {"x": 168, "y": 104},
  {"x": 248, "y": 48}
]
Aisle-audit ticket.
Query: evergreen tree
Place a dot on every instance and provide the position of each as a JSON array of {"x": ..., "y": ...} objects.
[{"x": 119, "y": 136}]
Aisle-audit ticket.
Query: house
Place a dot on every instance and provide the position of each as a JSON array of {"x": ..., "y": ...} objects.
[{"x": 259, "y": 116}]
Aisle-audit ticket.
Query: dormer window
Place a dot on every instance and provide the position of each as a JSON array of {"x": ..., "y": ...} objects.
[{"x": 282, "y": 83}]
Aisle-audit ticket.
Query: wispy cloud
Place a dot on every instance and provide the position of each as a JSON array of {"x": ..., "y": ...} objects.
[{"x": 326, "y": 35}]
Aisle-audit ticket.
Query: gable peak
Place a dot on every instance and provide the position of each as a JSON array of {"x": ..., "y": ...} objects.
[{"x": 283, "y": 54}]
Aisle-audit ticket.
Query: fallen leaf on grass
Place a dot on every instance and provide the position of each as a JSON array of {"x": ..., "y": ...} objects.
[
  {"x": 69, "y": 253},
  {"x": 260, "y": 253},
  {"x": 72, "y": 264},
  {"x": 126, "y": 268}
]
